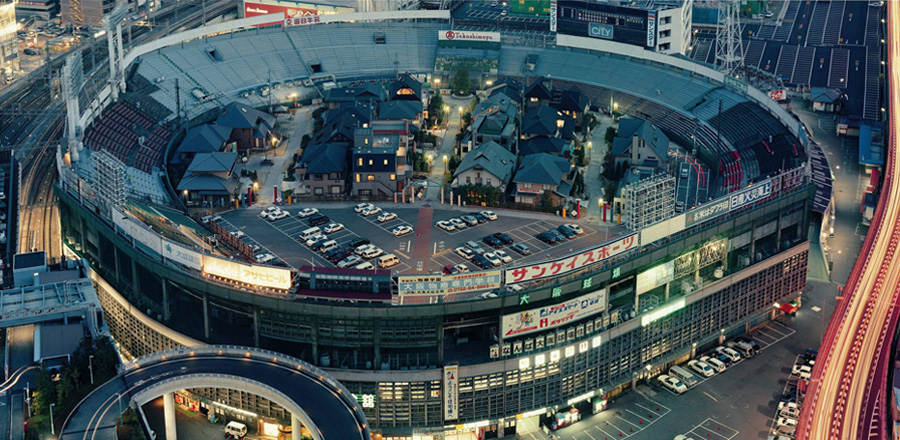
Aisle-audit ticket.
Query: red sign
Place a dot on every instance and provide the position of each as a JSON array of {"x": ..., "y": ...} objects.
[
  {"x": 253, "y": 9},
  {"x": 778, "y": 95}
]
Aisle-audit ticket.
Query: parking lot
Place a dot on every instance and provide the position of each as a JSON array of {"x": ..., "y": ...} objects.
[{"x": 427, "y": 249}]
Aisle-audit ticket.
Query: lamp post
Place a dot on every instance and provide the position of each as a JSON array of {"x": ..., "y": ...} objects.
[
  {"x": 52, "y": 427},
  {"x": 91, "y": 367}
]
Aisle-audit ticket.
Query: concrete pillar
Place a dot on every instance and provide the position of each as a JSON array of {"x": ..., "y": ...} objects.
[
  {"x": 667, "y": 292},
  {"x": 440, "y": 335},
  {"x": 778, "y": 233},
  {"x": 167, "y": 312},
  {"x": 753, "y": 244},
  {"x": 169, "y": 413},
  {"x": 295, "y": 427},
  {"x": 376, "y": 334},
  {"x": 256, "y": 327},
  {"x": 135, "y": 281},
  {"x": 205, "y": 317},
  {"x": 118, "y": 269},
  {"x": 314, "y": 328}
]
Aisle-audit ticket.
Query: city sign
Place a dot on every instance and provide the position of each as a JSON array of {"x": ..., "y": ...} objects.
[{"x": 597, "y": 30}]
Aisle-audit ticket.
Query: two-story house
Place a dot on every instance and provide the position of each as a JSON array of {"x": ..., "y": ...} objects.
[
  {"x": 338, "y": 97},
  {"x": 322, "y": 170},
  {"x": 493, "y": 119},
  {"x": 539, "y": 173},
  {"x": 641, "y": 144},
  {"x": 546, "y": 121},
  {"x": 490, "y": 164},
  {"x": 206, "y": 138},
  {"x": 379, "y": 163},
  {"x": 211, "y": 179},
  {"x": 249, "y": 128}
]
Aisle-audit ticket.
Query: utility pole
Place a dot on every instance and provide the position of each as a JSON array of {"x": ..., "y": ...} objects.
[{"x": 177, "y": 106}]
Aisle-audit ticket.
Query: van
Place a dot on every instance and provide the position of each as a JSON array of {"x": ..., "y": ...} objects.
[
  {"x": 328, "y": 245},
  {"x": 789, "y": 412},
  {"x": 235, "y": 430},
  {"x": 389, "y": 260},
  {"x": 475, "y": 247},
  {"x": 745, "y": 349},
  {"x": 306, "y": 234},
  {"x": 686, "y": 376},
  {"x": 318, "y": 219}
]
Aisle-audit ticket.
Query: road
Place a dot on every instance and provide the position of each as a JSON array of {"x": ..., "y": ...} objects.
[{"x": 847, "y": 398}]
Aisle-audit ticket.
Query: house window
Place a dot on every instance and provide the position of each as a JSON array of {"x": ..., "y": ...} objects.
[
  {"x": 360, "y": 161},
  {"x": 526, "y": 185},
  {"x": 666, "y": 20},
  {"x": 560, "y": 123},
  {"x": 385, "y": 162},
  {"x": 665, "y": 46},
  {"x": 665, "y": 34},
  {"x": 370, "y": 177},
  {"x": 357, "y": 178},
  {"x": 365, "y": 192},
  {"x": 335, "y": 189},
  {"x": 533, "y": 99},
  {"x": 370, "y": 162},
  {"x": 317, "y": 177},
  {"x": 489, "y": 181},
  {"x": 468, "y": 180},
  {"x": 393, "y": 177},
  {"x": 319, "y": 191}
]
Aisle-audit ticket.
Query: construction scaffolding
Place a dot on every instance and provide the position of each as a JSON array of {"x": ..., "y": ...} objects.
[{"x": 649, "y": 201}]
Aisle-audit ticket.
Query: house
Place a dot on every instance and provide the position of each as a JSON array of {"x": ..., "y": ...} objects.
[
  {"x": 543, "y": 144},
  {"x": 336, "y": 97},
  {"x": 341, "y": 124},
  {"x": 490, "y": 164},
  {"x": 406, "y": 88},
  {"x": 509, "y": 88},
  {"x": 249, "y": 128},
  {"x": 537, "y": 94},
  {"x": 571, "y": 102},
  {"x": 212, "y": 179},
  {"x": 379, "y": 159},
  {"x": 408, "y": 110},
  {"x": 825, "y": 99},
  {"x": 206, "y": 138},
  {"x": 493, "y": 119},
  {"x": 322, "y": 170},
  {"x": 542, "y": 172},
  {"x": 547, "y": 121},
  {"x": 640, "y": 144}
]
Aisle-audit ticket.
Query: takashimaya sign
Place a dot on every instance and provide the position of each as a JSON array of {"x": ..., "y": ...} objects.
[
  {"x": 491, "y": 37},
  {"x": 543, "y": 318}
]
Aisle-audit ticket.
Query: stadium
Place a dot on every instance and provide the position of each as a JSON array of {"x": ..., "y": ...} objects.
[{"x": 666, "y": 293}]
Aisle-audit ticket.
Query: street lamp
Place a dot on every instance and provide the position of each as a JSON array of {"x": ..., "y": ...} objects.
[
  {"x": 91, "y": 367},
  {"x": 437, "y": 81},
  {"x": 615, "y": 106},
  {"x": 52, "y": 428},
  {"x": 460, "y": 110},
  {"x": 255, "y": 186}
]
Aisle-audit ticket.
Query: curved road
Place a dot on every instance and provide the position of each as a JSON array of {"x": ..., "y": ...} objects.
[
  {"x": 96, "y": 416},
  {"x": 848, "y": 393}
]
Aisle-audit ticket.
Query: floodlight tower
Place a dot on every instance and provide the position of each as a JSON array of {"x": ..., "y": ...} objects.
[{"x": 729, "y": 48}]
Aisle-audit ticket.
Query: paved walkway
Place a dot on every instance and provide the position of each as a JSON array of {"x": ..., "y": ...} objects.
[
  {"x": 593, "y": 184},
  {"x": 272, "y": 176},
  {"x": 448, "y": 143}
]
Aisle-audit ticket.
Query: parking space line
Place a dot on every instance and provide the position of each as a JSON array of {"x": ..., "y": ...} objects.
[
  {"x": 626, "y": 421},
  {"x": 617, "y": 426},
  {"x": 608, "y": 434}
]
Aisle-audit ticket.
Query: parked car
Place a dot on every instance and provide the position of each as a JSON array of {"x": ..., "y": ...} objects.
[
  {"x": 450, "y": 270},
  {"x": 478, "y": 216},
  {"x": 475, "y": 247},
  {"x": 800, "y": 369},
  {"x": 265, "y": 213},
  {"x": 315, "y": 239},
  {"x": 318, "y": 219},
  {"x": 333, "y": 227},
  {"x": 362, "y": 249},
  {"x": 401, "y": 230},
  {"x": 458, "y": 223},
  {"x": 785, "y": 421},
  {"x": 546, "y": 238},
  {"x": 716, "y": 364},
  {"x": 494, "y": 259},
  {"x": 238, "y": 234},
  {"x": 263, "y": 258},
  {"x": 362, "y": 206},
  {"x": 365, "y": 266},
  {"x": 557, "y": 234},
  {"x": 489, "y": 215},
  {"x": 278, "y": 215},
  {"x": 492, "y": 241},
  {"x": 464, "y": 252},
  {"x": 470, "y": 220},
  {"x": 350, "y": 260},
  {"x": 503, "y": 256},
  {"x": 482, "y": 262},
  {"x": 749, "y": 341},
  {"x": 574, "y": 228},
  {"x": 370, "y": 211},
  {"x": 357, "y": 242},
  {"x": 445, "y": 225},
  {"x": 307, "y": 212},
  {"x": 462, "y": 268},
  {"x": 521, "y": 249},
  {"x": 671, "y": 383},
  {"x": 386, "y": 217},
  {"x": 702, "y": 367},
  {"x": 504, "y": 238}
]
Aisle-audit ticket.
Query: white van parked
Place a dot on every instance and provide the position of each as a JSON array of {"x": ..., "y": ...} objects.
[
  {"x": 235, "y": 430},
  {"x": 389, "y": 260},
  {"x": 306, "y": 234},
  {"x": 328, "y": 245}
]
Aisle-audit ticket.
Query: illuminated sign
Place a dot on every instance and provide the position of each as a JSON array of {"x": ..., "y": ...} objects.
[
  {"x": 661, "y": 312},
  {"x": 365, "y": 400},
  {"x": 490, "y": 37},
  {"x": 548, "y": 317},
  {"x": 778, "y": 95},
  {"x": 254, "y": 275},
  {"x": 448, "y": 284},
  {"x": 655, "y": 277},
  {"x": 750, "y": 195},
  {"x": 597, "y": 30},
  {"x": 706, "y": 212},
  {"x": 451, "y": 392},
  {"x": 571, "y": 263}
]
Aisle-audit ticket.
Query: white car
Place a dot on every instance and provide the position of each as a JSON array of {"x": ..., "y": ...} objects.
[
  {"x": 307, "y": 212},
  {"x": 333, "y": 227},
  {"x": 489, "y": 215},
  {"x": 494, "y": 259},
  {"x": 238, "y": 234},
  {"x": 786, "y": 421},
  {"x": 361, "y": 206},
  {"x": 702, "y": 367},
  {"x": 671, "y": 383},
  {"x": 462, "y": 268},
  {"x": 365, "y": 266},
  {"x": 269, "y": 211},
  {"x": 445, "y": 225},
  {"x": 788, "y": 405},
  {"x": 278, "y": 215},
  {"x": 362, "y": 249},
  {"x": 386, "y": 217},
  {"x": 716, "y": 364},
  {"x": 371, "y": 210},
  {"x": 682, "y": 437},
  {"x": 503, "y": 256},
  {"x": 263, "y": 258},
  {"x": 315, "y": 239},
  {"x": 574, "y": 228},
  {"x": 349, "y": 261},
  {"x": 401, "y": 230},
  {"x": 464, "y": 252},
  {"x": 458, "y": 223},
  {"x": 799, "y": 369}
]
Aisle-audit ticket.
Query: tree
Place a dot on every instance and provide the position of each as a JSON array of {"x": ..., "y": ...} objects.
[
  {"x": 609, "y": 135},
  {"x": 461, "y": 83},
  {"x": 436, "y": 109},
  {"x": 453, "y": 164},
  {"x": 546, "y": 202}
]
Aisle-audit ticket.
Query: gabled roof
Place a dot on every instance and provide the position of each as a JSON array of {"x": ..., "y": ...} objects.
[
  {"x": 495, "y": 103},
  {"x": 362, "y": 92},
  {"x": 492, "y": 158},
  {"x": 493, "y": 123},
  {"x": 342, "y": 121},
  {"x": 652, "y": 136},
  {"x": 538, "y": 90},
  {"x": 571, "y": 100},
  {"x": 237, "y": 115},
  {"x": 824, "y": 94},
  {"x": 509, "y": 88},
  {"x": 406, "y": 81},
  {"x": 207, "y": 182},
  {"x": 543, "y": 169},
  {"x": 212, "y": 162},
  {"x": 204, "y": 138},
  {"x": 541, "y": 120},
  {"x": 325, "y": 158},
  {"x": 542, "y": 144},
  {"x": 399, "y": 109}
]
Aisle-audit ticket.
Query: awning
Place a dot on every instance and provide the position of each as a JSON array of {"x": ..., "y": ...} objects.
[{"x": 789, "y": 308}]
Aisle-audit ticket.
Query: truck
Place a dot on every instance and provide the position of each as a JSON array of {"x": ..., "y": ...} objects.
[
  {"x": 686, "y": 376},
  {"x": 199, "y": 94}
]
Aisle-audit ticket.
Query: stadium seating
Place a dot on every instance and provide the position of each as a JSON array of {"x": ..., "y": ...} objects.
[{"x": 117, "y": 132}]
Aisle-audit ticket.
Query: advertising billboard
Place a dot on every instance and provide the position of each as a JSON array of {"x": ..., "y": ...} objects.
[
  {"x": 302, "y": 20},
  {"x": 553, "y": 9},
  {"x": 451, "y": 392},
  {"x": 655, "y": 277},
  {"x": 181, "y": 254},
  {"x": 448, "y": 284},
  {"x": 544, "y": 318},
  {"x": 263, "y": 276},
  {"x": 451, "y": 35},
  {"x": 138, "y": 231},
  {"x": 706, "y": 212},
  {"x": 750, "y": 195},
  {"x": 778, "y": 95},
  {"x": 572, "y": 263},
  {"x": 291, "y": 10},
  {"x": 618, "y": 23}
]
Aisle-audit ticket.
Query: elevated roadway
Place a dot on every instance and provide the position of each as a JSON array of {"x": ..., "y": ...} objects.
[
  {"x": 847, "y": 396},
  {"x": 317, "y": 401}
]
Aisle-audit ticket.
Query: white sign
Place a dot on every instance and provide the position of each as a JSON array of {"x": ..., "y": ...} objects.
[
  {"x": 448, "y": 284},
  {"x": 572, "y": 263},
  {"x": 490, "y": 37},
  {"x": 750, "y": 195},
  {"x": 254, "y": 275},
  {"x": 451, "y": 392},
  {"x": 302, "y": 20},
  {"x": 181, "y": 254},
  {"x": 553, "y": 15},
  {"x": 138, "y": 231},
  {"x": 651, "y": 29},
  {"x": 778, "y": 95},
  {"x": 544, "y": 318},
  {"x": 655, "y": 277}
]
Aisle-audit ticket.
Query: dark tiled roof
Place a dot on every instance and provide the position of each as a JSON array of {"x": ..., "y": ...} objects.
[
  {"x": 212, "y": 162},
  {"x": 399, "y": 109},
  {"x": 538, "y": 90},
  {"x": 492, "y": 158},
  {"x": 406, "y": 81},
  {"x": 206, "y": 138},
  {"x": 237, "y": 115},
  {"x": 325, "y": 158},
  {"x": 542, "y": 144},
  {"x": 543, "y": 168}
]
